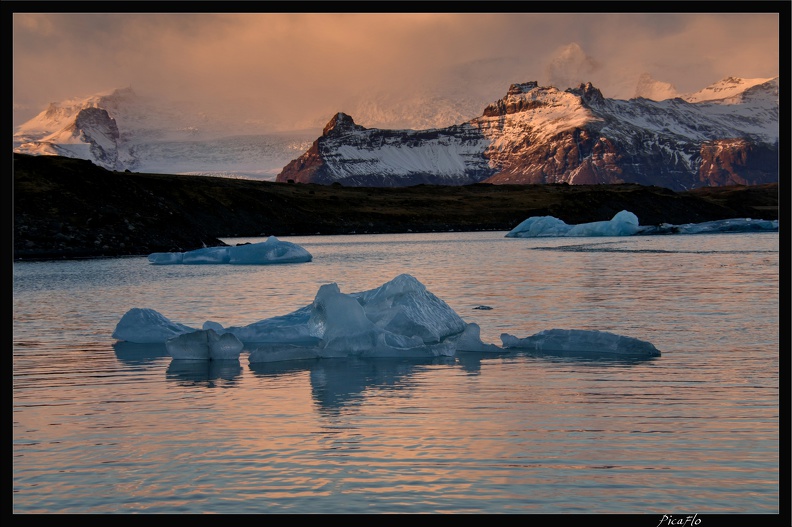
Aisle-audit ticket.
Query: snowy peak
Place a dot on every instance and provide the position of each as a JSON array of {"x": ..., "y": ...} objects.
[
  {"x": 536, "y": 113},
  {"x": 58, "y": 116},
  {"x": 523, "y": 87},
  {"x": 340, "y": 123},
  {"x": 529, "y": 96},
  {"x": 729, "y": 90},
  {"x": 588, "y": 93}
]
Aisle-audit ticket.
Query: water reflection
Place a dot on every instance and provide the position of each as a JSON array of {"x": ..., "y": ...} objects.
[
  {"x": 134, "y": 354},
  {"x": 587, "y": 357},
  {"x": 470, "y": 361},
  {"x": 204, "y": 372},
  {"x": 336, "y": 383}
]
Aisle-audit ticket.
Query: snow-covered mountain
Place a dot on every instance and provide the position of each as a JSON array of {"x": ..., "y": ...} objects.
[
  {"x": 119, "y": 130},
  {"x": 724, "y": 134}
]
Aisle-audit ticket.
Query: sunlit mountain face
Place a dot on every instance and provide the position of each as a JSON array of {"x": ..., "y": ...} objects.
[{"x": 726, "y": 133}]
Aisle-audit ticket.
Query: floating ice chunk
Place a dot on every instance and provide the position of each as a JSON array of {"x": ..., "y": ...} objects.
[
  {"x": 539, "y": 227},
  {"x": 207, "y": 255},
  {"x": 271, "y": 251},
  {"x": 218, "y": 327},
  {"x": 404, "y": 306},
  {"x": 341, "y": 322},
  {"x": 276, "y": 352},
  {"x": 146, "y": 326},
  {"x": 717, "y": 226},
  {"x": 204, "y": 345},
  {"x": 470, "y": 340},
  {"x": 347, "y": 330},
  {"x": 581, "y": 341},
  {"x": 624, "y": 223},
  {"x": 166, "y": 258},
  {"x": 285, "y": 329},
  {"x": 223, "y": 347}
]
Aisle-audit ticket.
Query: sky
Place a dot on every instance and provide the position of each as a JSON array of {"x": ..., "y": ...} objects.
[{"x": 281, "y": 67}]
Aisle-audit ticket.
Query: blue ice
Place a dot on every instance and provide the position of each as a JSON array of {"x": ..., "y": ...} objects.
[
  {"x": 400, "y": 318},
  {"x": 271, "y": 251}
]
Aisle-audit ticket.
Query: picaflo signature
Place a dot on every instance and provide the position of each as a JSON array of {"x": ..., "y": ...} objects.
[{"x": 670, "y": 519}]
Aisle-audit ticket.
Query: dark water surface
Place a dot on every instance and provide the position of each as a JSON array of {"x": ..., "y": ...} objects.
[{"x": 106, "y": 427}]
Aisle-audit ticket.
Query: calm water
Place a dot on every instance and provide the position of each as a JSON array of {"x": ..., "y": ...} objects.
[{"x": 99, "y": 427}]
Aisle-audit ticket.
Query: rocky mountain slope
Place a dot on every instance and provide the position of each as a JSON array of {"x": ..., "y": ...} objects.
[
  {"x": 726, "y": 134},
  {"x": 71, "y": 208}
]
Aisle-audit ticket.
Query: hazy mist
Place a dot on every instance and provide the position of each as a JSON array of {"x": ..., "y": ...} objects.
[{"x": 279, "y": 70}]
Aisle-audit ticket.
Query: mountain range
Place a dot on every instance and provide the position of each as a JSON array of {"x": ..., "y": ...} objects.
[{"x": 724, "y": 134}]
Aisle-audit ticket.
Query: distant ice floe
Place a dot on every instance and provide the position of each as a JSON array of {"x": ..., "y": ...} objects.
[
  {"x": 400, "y": 319},
  {"x": 271, "y": 251},
  {"x": 625, "y": 223}
]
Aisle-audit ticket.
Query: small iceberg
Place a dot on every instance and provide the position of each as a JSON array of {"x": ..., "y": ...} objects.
[
  {"x": 399, "y": 319},
  {"x": 271, "y": 251},
  {"x": 717, "y": 226},
  {"x": 625, "y": 223},
  {"x": 146, "y": 326},
  {"x": 204, "y": 345},
  {"x": 581, "y": 342}
]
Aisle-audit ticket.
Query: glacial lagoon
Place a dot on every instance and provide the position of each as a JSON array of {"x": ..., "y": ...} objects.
[{"x": 101, "y": 426}]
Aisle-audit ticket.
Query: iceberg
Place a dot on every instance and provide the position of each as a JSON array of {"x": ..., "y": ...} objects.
[
  {"x": 399, "y": 319},
  {"x": 625, "y": 223},
  {"x": 271, "y": 251},
  {"x": 717, "y": 226},
  {"x": 204, "y": 345},
  {"x": 581, "y": 342},
  {"x": 146, "y": 326}
]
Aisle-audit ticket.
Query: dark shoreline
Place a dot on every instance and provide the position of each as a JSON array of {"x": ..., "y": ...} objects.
[{"x": 69, "y": 208}]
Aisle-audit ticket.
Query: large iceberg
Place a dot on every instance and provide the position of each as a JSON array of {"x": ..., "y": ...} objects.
[
  {"x": 271, "y": 251},
  {"x": 626, "y": 223},
  {"x": 401, "y": 318}
]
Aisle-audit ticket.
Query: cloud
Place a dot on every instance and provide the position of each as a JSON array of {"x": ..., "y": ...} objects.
[
  {"x": 570, "y": 66},
  {"x": 282, "y": 66}
]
